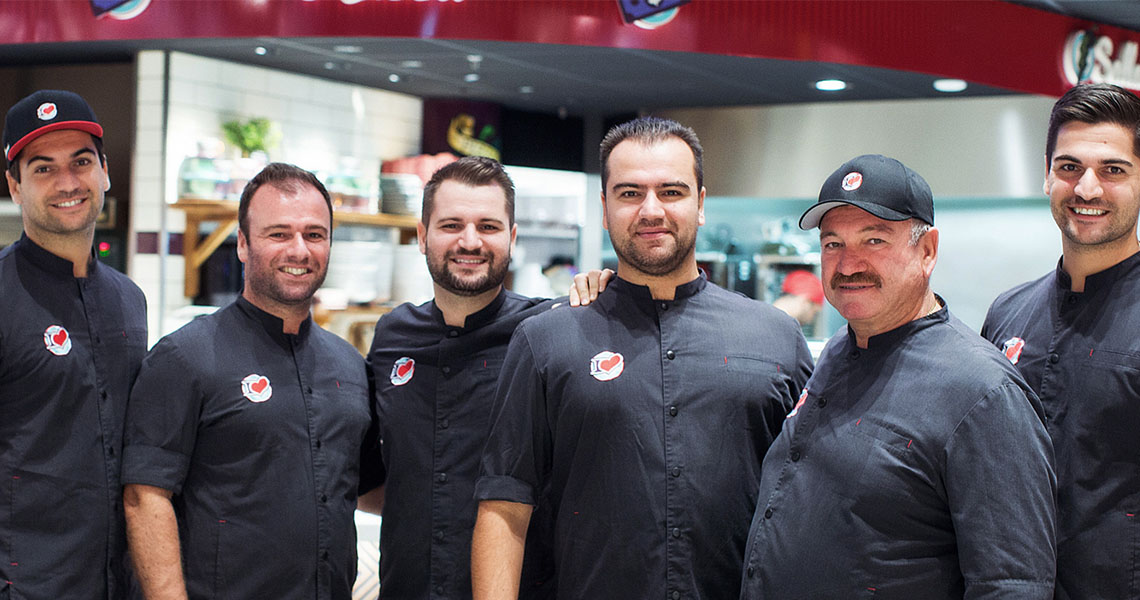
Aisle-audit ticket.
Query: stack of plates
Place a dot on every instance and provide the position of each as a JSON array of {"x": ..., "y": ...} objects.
[{"x": 401, "y": 194}]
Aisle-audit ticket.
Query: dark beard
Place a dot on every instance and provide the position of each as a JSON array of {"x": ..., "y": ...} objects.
[
  {"x": 444, "y": 278},
  {"x": 649, "y": 265}
]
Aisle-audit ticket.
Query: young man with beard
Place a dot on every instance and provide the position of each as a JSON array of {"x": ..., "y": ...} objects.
[
  {"x": 71, "y": 341},
  {"x": 245, "y": 428},
  {"x": 916, "y": 463},
  {"x": 1073, "y": 335},
  {"x": 434, "y": 368},
  {"x": 640, "y": 420}
]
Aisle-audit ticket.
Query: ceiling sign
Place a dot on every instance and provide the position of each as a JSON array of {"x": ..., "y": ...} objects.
[
  {"x": 1089, "y": 57},
  {"x": 635, "y": 10}
]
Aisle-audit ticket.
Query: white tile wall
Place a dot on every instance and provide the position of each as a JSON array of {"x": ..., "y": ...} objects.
[{"x": 321, "y": 123}]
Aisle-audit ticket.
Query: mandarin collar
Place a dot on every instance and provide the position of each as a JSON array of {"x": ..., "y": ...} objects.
[
  {"x": 273, "y": 324},
  {"x": 1099, "y": 279},
  {"x": 45, "y": 260},
  {"x": 478, "y": 318},
  {"x": 641, "y": 292},
  {"x": 888, "y": 339}
]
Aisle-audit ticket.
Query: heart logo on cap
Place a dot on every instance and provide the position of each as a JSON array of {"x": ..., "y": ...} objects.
[
  {"x": 402, "y": 371},
  {"x": 606, "y": 365},
  {"x": 256, "y": 388},
  {"x": 57, "y": 340},
  {"x": 47, "y": 111},
  {"x": 852, "y": 181}
]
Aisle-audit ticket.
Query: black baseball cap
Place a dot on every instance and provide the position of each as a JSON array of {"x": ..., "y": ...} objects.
[
  {"x": 45, "y": 111},
  {"x": 877, "y": 184}
]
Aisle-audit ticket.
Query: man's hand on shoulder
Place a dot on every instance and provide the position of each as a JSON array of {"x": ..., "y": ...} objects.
[{"x": 588, "y": 285}]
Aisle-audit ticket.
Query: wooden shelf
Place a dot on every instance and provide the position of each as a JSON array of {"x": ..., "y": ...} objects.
[{"x": 225, "y": 214}]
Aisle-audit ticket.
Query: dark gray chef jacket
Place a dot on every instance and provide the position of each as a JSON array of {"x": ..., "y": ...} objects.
[
  {"x": 1081, "y": 353},
  {"x": 69, "y": 349},
  {"x": 918, "y": 467},
  {"x": 648, "y": 420},
  {"x": 258, "y": 434},
  {"x": 434, "y": 386}
]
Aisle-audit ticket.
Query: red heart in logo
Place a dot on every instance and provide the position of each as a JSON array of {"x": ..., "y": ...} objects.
[
  {"x": 404, "y": 368},
  {"x": 259, "y": 385},
  {"x": 610, "y": 363},
  {"x": 60, "y": 337}
]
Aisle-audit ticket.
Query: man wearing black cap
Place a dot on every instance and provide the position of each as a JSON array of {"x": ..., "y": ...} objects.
[
  {"x": 70, "y": 346},
  {"x": 1073, "y": 334},
  {"x": 916, "y": 462}
]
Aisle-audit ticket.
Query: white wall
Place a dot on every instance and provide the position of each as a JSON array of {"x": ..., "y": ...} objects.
[
  {"x": 963, "y": 146},
  {"x": 321, "y": 122}
]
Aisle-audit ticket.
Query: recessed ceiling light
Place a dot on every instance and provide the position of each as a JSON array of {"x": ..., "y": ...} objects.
[
  {"x": 949, "y": 86},
  {"x": 475, "y": 58},
  {"x": 830, "y": 85},
  {"x": 261, "y": 51},
  {"x": 348, "y": 49},
  {"x": 526, "y": 89},
  {"x": 471, "y": 77},
  {"x": 330, "y": 66},
  {"x": 394, "y": 78},
  {"x": 411, "y": 64}
]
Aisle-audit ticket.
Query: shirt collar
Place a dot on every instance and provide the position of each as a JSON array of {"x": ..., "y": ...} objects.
[
  {"x": 890, "y": 338},
  {"x": 641, "y": 292},
  {"x": 478, "y": 318},
  {"x": 1100, "y": 279},
  {"x": 45, "y": 260},
  {"x": 273, "y": 324}
]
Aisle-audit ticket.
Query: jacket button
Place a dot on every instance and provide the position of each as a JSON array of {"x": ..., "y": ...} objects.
[
  {"x": 768, "y": 514},
  {"x": 670, "y": 354},
  {"x": 795, "y": 454}
]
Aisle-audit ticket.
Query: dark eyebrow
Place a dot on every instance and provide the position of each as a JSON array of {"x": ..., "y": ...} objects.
[
  {"x": 1107, "y": 161},
  {"x": 884, "y": 227},
  {"x": 664, "y": 184},
  {"x": 76, "y": 154}
]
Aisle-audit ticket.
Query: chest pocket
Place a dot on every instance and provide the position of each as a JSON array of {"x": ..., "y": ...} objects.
[
  {"x": 1103, "y": 413},
  {"x": 759, "y": 391}
]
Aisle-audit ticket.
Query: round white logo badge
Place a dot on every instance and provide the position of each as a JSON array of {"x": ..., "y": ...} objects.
[
  {"x": 256, "y": 388},
  {"x": 852, "y": 181},
  {"x": 607, "y": 365},
  {"x": 47, "y": 111},
  {"x": 402, "y": 370},
  {"x": 57, "y": 340}
]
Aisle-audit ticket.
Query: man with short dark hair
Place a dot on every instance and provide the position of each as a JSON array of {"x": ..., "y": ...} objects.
[
  {"x": 434, "y": 368},
  {"x": 640, "y": 420},
  {"x": 916, "y": 463},
  {"x": 1072, "y": 334},
  {"x": 71, "y": 342},
  {"x": 245, "y": 427}
]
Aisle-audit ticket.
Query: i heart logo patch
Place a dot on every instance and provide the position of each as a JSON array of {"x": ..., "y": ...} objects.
[
  {"x": 46, "y": 111},
  {"x": 57, "y": 340},
  {"x": 607, "y": 365},
  {"x": 402, "y": 371},
  {"x": 799, "y": 403},
  {"x": 256, "y": 388},
  {"x": 1012, "y": 348}
]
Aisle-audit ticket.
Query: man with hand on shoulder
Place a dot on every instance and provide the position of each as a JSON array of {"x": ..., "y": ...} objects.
[{"x": 434, "y": 368}]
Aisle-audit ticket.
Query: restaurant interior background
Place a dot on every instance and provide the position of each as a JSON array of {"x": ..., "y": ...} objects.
[{"x": 369, "y": 93}]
